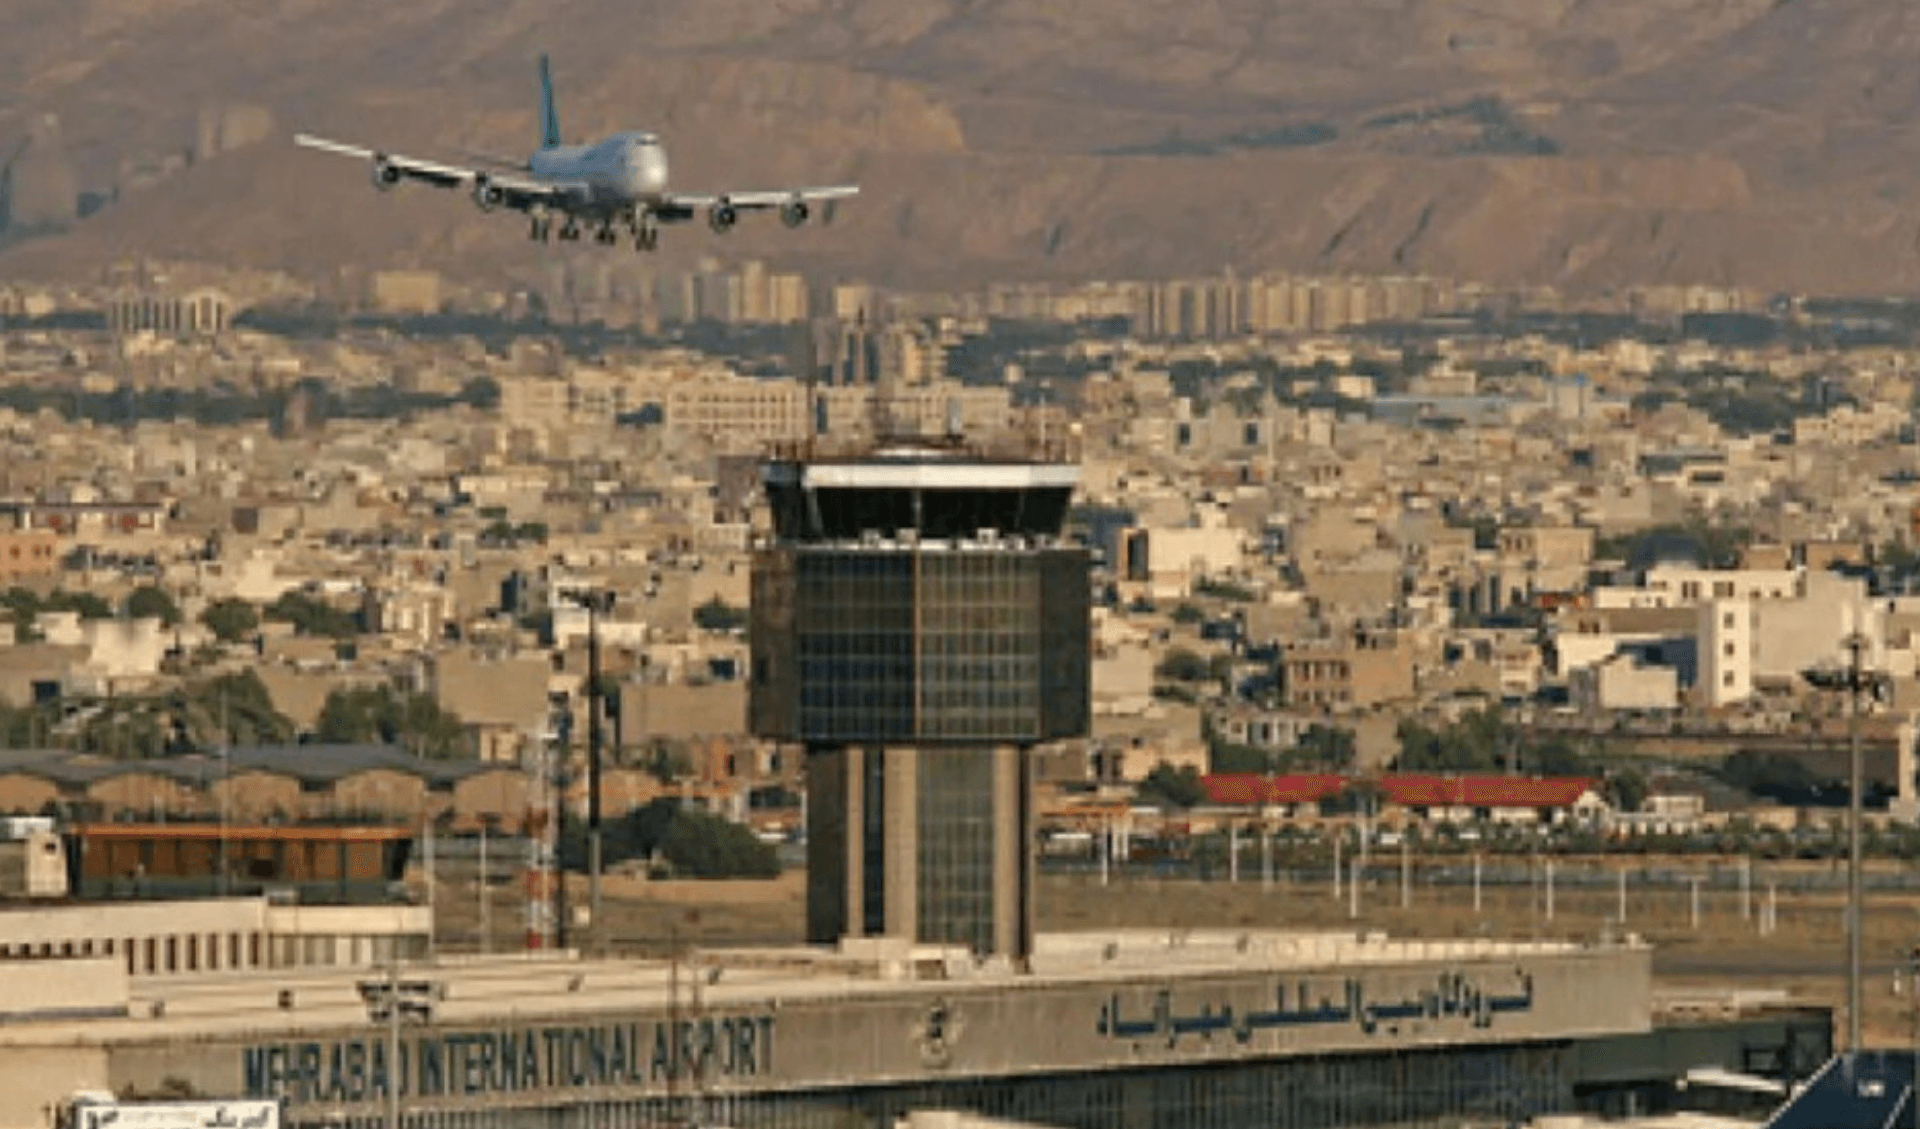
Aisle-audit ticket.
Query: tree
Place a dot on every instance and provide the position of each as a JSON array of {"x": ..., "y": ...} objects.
[
  {"x": 231, "y": 620},
  {"x": 196, "y": 717},
  {"x": 313, "y": 617},
  {"x": 1626, "y": 789},
  {"x": 666, "y": 762},
  {"x": 1483, "y": 740},
  {"x": 1327, "y": 746},
  {"x": 1182, "y": 665},
  {"x": 1169, "y": 787},
  {"x": 1228, "y": 758},
  {"x": 718, "y": 615},
  {"x": 694, "y": 843},
  {"x": 361, "y": 714},
  {"x": 149, "y": 602},
  {"x": 233, "y": 709},
  {"x": 1187, "y": 613},
  {"x": 1224, "y": 590},
  {"x": 700, "y": 845},
  {"x": 22, "y": 605},
  {"x": 88, "y": 605},
  {"x": 1776, "y": 776}
]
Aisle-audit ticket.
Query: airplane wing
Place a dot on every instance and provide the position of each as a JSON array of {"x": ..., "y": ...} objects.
[
  {"x": 412, "y": 168},
  {"x": 762, "y": 199},
  {"x": 498, "y": 188}
]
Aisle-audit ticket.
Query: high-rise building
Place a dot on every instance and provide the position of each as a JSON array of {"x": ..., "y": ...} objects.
[{"x": 919, "y": 626}]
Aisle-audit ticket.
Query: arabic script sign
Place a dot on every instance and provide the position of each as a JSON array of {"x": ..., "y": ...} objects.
[{"x": 1453, "y": 997}]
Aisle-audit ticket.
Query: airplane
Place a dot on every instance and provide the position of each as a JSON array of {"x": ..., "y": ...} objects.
[{"x": 620, "y": 181}]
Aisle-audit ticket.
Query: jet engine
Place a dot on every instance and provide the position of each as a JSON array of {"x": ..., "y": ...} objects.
[
  {"x": 722, "y": 217},
  {"x": 385, "y": 174},
  {"x": 793, "y": 213},
  {"x": 487, "y": 196}
]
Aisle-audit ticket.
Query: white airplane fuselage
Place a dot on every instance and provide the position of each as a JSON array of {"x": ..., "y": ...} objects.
[
  {"x": 622, "y": 170},
  {"x": 618, "y": 181}
]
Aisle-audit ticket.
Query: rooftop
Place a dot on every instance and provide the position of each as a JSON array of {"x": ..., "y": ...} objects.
[{"x": 480, "y": 989}]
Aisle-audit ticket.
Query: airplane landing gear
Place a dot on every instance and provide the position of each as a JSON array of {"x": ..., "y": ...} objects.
[
  {"x": 569, "y": 231},
  {"x": 646, "y": 237},
  {"x": 540, "y": 229}
]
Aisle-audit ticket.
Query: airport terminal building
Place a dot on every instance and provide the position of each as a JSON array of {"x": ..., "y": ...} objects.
[{"x": 1104, "y": 1031}]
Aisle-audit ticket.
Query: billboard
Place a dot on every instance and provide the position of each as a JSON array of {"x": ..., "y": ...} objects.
[{"x": 249, "y": 1114}]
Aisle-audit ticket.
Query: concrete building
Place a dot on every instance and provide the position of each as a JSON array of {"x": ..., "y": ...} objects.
[
  {"x": 28, "y": 553},
  {"x": 185, "y": 939},
  {"x": 195, "y": 313},
  {"x": 919, "y": 626},
  {"x": 1621, "y": 682},
  {"x": 1745, "y": 642},
  {"x": 1359, "y": 672},
  {"x": 1108, "y": 1030}
]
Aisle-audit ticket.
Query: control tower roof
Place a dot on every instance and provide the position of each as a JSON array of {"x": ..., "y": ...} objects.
[{"x": 934, "y": 493}]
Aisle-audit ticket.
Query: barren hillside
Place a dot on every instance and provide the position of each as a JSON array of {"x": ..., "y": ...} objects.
[{"x": 1755, "y": 142}]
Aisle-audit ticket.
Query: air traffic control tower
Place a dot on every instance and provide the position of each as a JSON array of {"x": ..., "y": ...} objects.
[{"x": 919, "y": 625}]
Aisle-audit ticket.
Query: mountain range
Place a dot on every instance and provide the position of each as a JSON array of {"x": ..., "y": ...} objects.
[{"x": 1584, "y": 144}]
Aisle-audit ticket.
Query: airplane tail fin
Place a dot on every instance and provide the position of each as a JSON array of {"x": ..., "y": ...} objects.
[{"x": 549, "y": 117}]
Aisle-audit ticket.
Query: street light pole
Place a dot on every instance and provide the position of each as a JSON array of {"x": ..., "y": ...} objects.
[
  {"x": 594, "y": 841},
  {"x": 1856, "y": 646},
  {"x": 1856, "y": 680},
  {"x": 597, "y": 603},
  {"x": 393, "y": 1039}
]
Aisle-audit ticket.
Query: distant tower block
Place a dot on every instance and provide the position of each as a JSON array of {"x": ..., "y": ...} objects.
[{"x": 919, "y": 626}]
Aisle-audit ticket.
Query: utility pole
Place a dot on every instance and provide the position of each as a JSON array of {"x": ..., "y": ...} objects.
[
  {"x": 1857, "y": 681},
  {"x": 393, "y": 1040},
  {"x": 486, "y": 895},
  {"x": 391, "y": 1002},
  {"x": 226, "y": 785},
  {"x": 597, "y": 603},
  {"x": 1856, "y": 648},
  {"x": 594, "y": 842}
]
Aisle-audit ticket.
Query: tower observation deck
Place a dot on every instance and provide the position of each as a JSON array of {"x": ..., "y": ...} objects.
[{"x": 918, "y": 626}]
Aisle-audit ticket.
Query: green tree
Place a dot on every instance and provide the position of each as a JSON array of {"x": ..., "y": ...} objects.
[
  {"x": 1187, "y": 613},
  {"x": 238, "y": 710},
  {"x": 1327, "y": 746},
  {"x": 364, "y": 714},
  {"x": 1169, "y": 787},
  {"x": 1776, "y": 776},
  {"x": 718, "y": 615},
  {"x": 666, "y": 762},
  {"x": 1225, "y": 590},
  {"x": 310, "y": 616},
  {"x": 1483, "y": 740},
  {"x": 87, "y": 604},
  {"x": 694, "y": 843},
  {"x": 23, "y": 604},
  {"x": 1228, "y": 758},
  {"x": 149, "y": 602},
  {"x": 1182, "y": 665},
  {"x": 699, "y": 845},
  {"x": 231, "y": 620},
  {"x": 1626, "y": 789}
]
